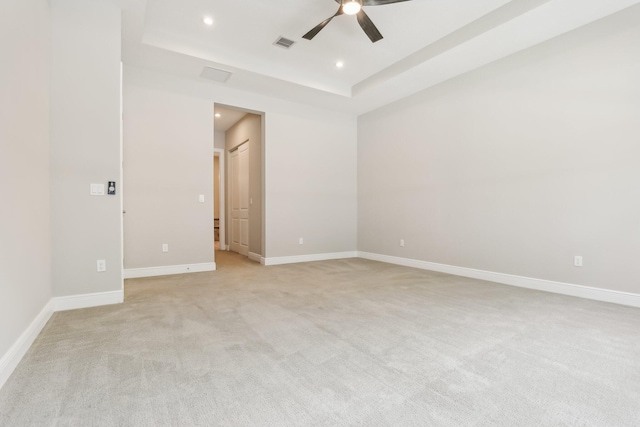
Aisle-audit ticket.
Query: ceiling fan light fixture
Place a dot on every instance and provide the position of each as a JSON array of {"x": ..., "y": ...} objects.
[
  {"x": 351, "y": 7},
  {"x": 354, "y": 7}
]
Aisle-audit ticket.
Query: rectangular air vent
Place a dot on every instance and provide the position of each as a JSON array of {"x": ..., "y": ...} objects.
[
  {"x": 215, "y": 74},
  {"x": 283, "y": 42}
]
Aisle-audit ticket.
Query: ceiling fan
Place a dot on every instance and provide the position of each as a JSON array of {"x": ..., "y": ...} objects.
[{"x": 354, "y": 7}]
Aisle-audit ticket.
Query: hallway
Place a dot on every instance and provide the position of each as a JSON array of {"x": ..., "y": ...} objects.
[{"x": 231, "y": 260}]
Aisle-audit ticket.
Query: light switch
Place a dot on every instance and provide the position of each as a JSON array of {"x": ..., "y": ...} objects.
[
  {"x": 201, "y": 198},
  {"x": 96, "y": 189}
]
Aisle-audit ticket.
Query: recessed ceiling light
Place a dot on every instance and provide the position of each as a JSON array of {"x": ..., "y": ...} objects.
[
  {"x": 339, "y": 64},
  {"x": 217, "y": 115},
  {"x": 208, "y": 20}
]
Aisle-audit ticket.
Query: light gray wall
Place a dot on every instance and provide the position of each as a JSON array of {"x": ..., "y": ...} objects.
[
  {"x": 168, "y": 163},
  {"x": 518, "y": 166},
  {"x": 311, "y": 184},
  {"x": 219, "y": 139},
  {"x": 310, "y": 176},
  {"x": 25, "y": 233},
  {"x": 85, "y": 146},
  {"x": 249, "y": 128},
  {"x": 216, "y": 186}
]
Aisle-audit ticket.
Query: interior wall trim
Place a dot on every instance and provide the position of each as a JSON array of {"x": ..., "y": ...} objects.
[
  {"x": 14, "y": 355},
  {"x": 134, "y": 273},
  {"x": 308, "y": 258},
  {"x": 598, "y": 294},
  {"x": 97, "y": 299},
  {"x": 256, "y": 257}
]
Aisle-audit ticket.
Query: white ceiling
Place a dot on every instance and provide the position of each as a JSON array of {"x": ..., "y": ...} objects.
[
  {"x": 425, "y": 42},
  {"x": 229, "y": 116}
]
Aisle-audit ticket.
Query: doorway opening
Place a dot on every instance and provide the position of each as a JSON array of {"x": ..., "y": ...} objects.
[
  {"x": 238, "y": 158},
  {"x": 219, "y": 240}
]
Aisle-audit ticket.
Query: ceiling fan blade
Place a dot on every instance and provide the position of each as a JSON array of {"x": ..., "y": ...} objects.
[
  {"x": 367, "y": 25},
  {"x": 315, "y": 30},
  {"x": 380, "y": 2}
]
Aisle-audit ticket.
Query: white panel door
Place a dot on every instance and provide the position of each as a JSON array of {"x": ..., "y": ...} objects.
[{"x": 240, "y": 199}]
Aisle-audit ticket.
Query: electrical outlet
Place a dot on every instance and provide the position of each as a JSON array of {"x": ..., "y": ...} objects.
[
  {"x": 165, "y": 247},
  {"x": 101, "y": 265},
  {"x": 301, "y": 241},
  {"x": 402, "y": 243},
  {"x": 577, "y": 261}
]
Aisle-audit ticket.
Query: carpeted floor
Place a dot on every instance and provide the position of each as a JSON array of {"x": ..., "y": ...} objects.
[{"x": 332, "y": 343}]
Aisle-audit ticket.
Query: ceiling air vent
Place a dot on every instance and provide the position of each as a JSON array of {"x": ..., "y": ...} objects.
[
  {"x": 283, "y": 42},
  {"x": 215, "y": 74}
]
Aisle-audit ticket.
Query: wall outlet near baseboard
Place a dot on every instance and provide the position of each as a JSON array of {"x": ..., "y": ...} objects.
[
  {"x": 165, "y": 247},
  {"x": 577, "y": 261},
  {"x": 301, "y": 241},
  {"x": 101, "y": 265},
  {"x": 402, "y": 243}
]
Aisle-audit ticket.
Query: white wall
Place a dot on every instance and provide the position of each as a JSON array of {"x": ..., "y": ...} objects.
[
  {"x": 168, "y": 163},
  {"x": 85, "y": 146},
  {"x": 516, "y": 167},
  {"x": 25, "y": 234},
  {"x": 311, "y": 184},
  {"x": 219, "y": 139},
  {"x": 216, "y": 186},
  {"x": 310, "y": 175}
]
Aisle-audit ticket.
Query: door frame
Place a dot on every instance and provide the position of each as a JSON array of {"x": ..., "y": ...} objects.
[{"x": 220, "y": 152}]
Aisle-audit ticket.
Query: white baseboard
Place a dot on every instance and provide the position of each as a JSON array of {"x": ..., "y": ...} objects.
[
  {"x": 308, "y": 258},
  {"x": 598, "y": 294},
  {"x": 134, "y": 273},
  {"x": 14, "y": 355},
  {"x": 73, "y": 302},
  {"x": 256, "y": 257},
  {"x": 10, "y": 360}
]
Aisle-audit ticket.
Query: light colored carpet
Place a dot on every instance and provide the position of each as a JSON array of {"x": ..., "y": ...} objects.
[{"x": 332, "y": 343}]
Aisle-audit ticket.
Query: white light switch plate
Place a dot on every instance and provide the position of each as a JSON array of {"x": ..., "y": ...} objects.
[
  {"x": 96, "y": 189},
  {"x": 201, "y": 198}
]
